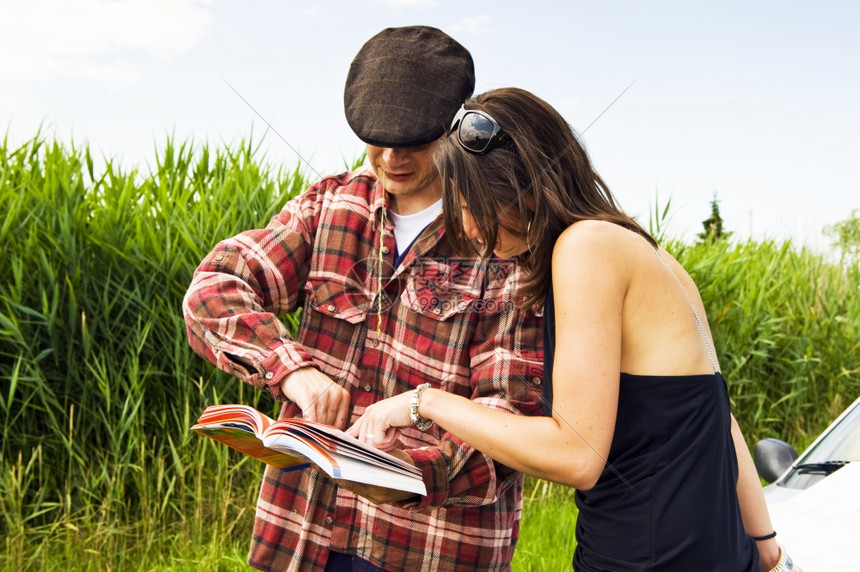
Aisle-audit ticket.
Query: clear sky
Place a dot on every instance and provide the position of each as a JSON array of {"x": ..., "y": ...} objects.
[{"x": 756, "y": 102}]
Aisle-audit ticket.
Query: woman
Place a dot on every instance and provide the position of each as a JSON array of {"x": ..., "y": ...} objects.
[{"x": 640, "y": 421}]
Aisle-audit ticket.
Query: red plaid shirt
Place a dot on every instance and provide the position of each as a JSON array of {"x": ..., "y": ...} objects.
[{"x": 445, "y": 320}]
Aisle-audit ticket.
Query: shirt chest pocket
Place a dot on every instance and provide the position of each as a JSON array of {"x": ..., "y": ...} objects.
[
  {"x": 443, "y": 289},
  {"x": 337, "y": 297}
]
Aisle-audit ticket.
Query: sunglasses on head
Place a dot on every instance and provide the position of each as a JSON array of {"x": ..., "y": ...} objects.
[{"x": 477, "y": 132}]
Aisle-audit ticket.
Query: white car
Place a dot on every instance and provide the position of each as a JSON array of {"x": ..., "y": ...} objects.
[{"x": 814, "y": 498}]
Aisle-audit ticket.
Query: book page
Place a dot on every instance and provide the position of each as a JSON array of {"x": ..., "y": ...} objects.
[
  {"x": 238, "y": 437},
  {"x": 240, "y": 427},
  {"x": 293, "y": 442},
  {"x": 343, "y": 466},
  {"x": 336, "y": 441}
]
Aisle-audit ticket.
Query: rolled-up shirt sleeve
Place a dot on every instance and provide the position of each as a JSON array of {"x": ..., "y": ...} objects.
[{"x": 238, "y": 291}]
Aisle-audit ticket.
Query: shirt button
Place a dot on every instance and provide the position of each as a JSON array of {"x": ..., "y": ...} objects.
[
  {"x": 329, "y": 520},
  {"x": 269, "y": 375},
  {"x": 437, "y": 311},
  {"x": 375, "y": 343},
  {"x": 219, "y": 258},
  {"x": 536, "y": 380},
  {"x": 385, "y": 250},
  {"x": 367, "y": 387},
  {"x": 331, "y": 307}
]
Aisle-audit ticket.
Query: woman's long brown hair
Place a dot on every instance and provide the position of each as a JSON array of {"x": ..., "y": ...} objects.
[{"x": 541, "y": 181}]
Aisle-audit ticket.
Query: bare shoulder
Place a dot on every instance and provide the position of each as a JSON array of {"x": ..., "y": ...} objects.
[
  {"x": 594, "y": 239},
  {"x": 596, "y": 256}
]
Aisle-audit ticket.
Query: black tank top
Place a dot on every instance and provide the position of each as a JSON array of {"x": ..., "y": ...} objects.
[{"x": 667, "y": 498}]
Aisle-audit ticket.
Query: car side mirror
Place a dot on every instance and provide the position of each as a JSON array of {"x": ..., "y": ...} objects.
[{"x": 772, "y": 458}]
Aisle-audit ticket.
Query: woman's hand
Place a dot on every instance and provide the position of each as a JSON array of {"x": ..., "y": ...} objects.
[{"x": 379, "y": 424}]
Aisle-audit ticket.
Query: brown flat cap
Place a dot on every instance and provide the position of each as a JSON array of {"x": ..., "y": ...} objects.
[{"x": 405, "y": 85}]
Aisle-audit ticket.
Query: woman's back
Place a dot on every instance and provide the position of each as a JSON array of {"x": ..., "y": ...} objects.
[
  {"x": 661, "y": 334},
  {"x": 666, "y": 498}
]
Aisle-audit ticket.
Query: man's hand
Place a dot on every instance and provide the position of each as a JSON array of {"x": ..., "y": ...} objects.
[
  {"x": 320, "y": 398},
  {"x": 377, "y": 494},
  {"x": 374, "y": 493}
]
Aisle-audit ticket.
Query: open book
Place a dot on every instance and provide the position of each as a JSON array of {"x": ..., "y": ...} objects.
[{"x": 294, "y": 442}]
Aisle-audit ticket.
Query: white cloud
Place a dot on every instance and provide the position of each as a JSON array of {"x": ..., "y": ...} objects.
[{"x": 42, "y": 39}]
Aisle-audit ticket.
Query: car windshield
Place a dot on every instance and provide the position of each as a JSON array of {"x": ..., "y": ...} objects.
[{"x": 838, "y": 447}]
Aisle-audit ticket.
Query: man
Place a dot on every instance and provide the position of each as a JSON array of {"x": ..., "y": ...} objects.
[{"x": 387, "y": 305}]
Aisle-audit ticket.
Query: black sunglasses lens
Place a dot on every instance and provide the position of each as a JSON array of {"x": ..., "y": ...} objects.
[{"x": 475, "y": 132}]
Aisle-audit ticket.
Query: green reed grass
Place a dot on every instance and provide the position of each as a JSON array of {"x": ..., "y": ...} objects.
[
  {"x": 787, "y": 329},
  {"x": 98, "y": 386},
  {"x": 547, "y": 528}
]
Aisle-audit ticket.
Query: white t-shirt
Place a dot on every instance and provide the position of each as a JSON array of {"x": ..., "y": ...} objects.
[{"x": 408, "y": 227}]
